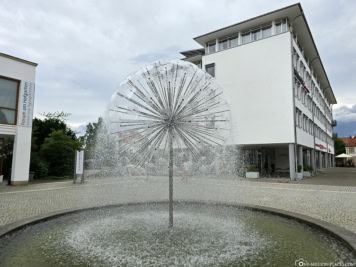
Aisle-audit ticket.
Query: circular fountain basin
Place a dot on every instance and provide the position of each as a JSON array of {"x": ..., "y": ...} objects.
[{"x": 138, "y": 235}]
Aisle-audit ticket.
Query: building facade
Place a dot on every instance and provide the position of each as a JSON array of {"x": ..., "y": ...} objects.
[
  {"x": 350, "y": 147},
  {"x": 17, "y": 91},
  {"x": 280, "y": 96}
]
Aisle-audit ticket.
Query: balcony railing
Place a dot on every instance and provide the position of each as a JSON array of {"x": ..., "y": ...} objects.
[{"x": 333, "y": 123}]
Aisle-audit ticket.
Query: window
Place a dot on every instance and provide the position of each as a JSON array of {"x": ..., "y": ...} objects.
[
  {"x": 300, "y": 120},
  {"x": 223, "y": 44},
  {"x": 256, "y": 35},
  {"x": 301, "y": 69},
  {"x": 211, "y": 47},
  {"x": 234, "y": 41},
  {"x": 296, "y": 84},
  {"x": 305, "y": 123},
  {"x": 295, "y": 58},
  {"x": 299, "y": 66},
  {"x": 284, "y": 25},
  {"x": 351, "y": 150},
  {"x": 210, "y": 69},
  {"x": 246, "y": 37},
  {"x": 228, "y": 42},
  {"x": 315, "y": 130},
  {"x": 308, "y": 79},
  {"x": 8, "y": 100},
  {"x": 310, "y": 104},
  {"x": 281, "y": 26},
  {"x": 299, "y": 92},
  {"x": 266, "y": 31}
]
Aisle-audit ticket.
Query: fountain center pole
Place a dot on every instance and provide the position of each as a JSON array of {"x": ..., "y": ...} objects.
[{"x": 170, "y": 177}]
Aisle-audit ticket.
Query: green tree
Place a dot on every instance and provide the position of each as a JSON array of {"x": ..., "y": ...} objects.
[
  {"x": 58, "y": 149},
  {"x": 41, "y": 129},
  {"x": 339, "y": 146}
]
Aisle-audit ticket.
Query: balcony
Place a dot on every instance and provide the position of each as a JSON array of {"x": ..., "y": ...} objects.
[
  {"x": 333, "y": 123},
  {"x": 335, "y": 135}
]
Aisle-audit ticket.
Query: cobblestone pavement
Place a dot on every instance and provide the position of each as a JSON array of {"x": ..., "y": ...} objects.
[
  {"x": 334, "y": 204},
  {"x": 332, "y": 176}
]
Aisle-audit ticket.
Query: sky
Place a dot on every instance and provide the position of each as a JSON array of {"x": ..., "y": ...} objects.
[{"x": 84, "y": 48}]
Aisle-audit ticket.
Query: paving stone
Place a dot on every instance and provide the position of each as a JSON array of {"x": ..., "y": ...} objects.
[{"x": 331, "y": 203}]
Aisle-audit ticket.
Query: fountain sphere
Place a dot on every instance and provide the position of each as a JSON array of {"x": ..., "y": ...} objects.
[
  {"x": 168, "y": 100},
  {"x": 168, "y": 106}
]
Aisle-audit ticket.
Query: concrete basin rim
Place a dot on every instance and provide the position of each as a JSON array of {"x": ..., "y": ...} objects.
[{"x": 347, "y": 238}]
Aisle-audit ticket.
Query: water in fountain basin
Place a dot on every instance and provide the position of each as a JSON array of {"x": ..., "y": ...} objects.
[{"x": 137, "y": 235}]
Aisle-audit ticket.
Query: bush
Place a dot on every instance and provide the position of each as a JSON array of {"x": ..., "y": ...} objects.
[
  {"x": 299, "y": 168},
  {"x": 41, "y": 170},
  {"x": 58, "y": 149},
  {"x": 308, "y": 168},
  {"x": 38, "y": 166},
  {"x": 252, "y": 168}
]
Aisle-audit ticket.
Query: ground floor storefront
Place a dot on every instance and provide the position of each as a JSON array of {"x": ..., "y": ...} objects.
[
  {"x": 15, "y": 153},
  {"x": 283, "y": 160}
]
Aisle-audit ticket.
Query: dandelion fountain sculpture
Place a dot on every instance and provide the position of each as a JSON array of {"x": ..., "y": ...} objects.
[{"x": 165, "y": 107}]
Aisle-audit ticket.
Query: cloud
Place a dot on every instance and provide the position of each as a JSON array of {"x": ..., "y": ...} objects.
[
  {"x": 85, "y": 48},
  {"x": 78, "y": 129},
  {"x": 345, "y": 110},
  {"x": 345, "y": 128},
  {"x": 346, "y": 117}
]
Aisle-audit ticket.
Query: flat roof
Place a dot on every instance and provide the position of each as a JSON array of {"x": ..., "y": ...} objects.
[
  {"x": 193, "y": 52},
  {"x": 296, "y": 17},
  {"x": 19, "y": 59}
]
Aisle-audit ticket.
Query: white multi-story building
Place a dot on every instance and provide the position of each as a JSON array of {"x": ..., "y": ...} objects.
[
  {"x": 280, "y": 95},
  {"x": 17, "y": 89}
]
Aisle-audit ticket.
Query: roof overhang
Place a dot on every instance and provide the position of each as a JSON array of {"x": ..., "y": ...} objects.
[
  {"x": 290, "y": 11},
  {"x": 194, "y": 52},
  {"x": 296, "y": 17},
  {"x": 18, "y": 59},
  {"x": 193, "y": 59}
]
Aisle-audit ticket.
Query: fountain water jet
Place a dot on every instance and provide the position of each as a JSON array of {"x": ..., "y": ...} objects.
[{"x": 168, "y": 106}]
